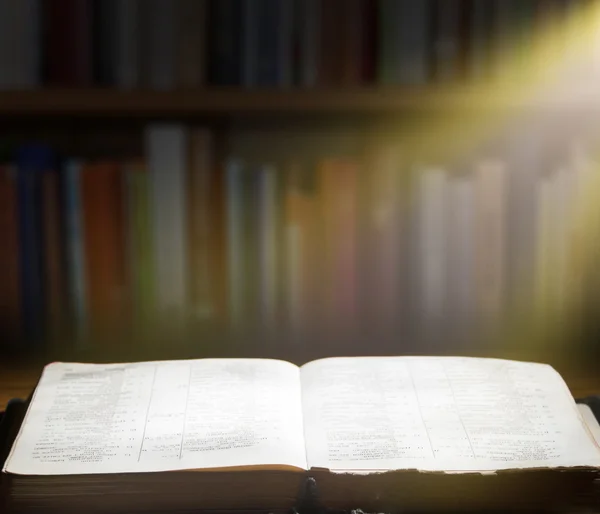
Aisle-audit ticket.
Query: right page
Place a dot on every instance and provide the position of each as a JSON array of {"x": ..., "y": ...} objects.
[{"x": 440, "y": 414}]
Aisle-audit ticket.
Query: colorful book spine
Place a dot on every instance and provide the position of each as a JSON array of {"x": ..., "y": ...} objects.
[
  {"x": 432, "y": 244},
  {"x": 268, "y": 220},
  {"x": 201, "y": 203},
  {"x": 383, "y": 242},
  {"x": 234, "y": 171},
  {"x": 167, "y": 148},
  {"x": 461, "y": 251},
  {"x": 141, "y": 262},
  {"x": 339, "y": 206},
  {"x": 104, "y": 242},
  {"x": 301, "y": 273},
  {"x": 492, "y": 193},
  {"x": 32, "y": 161}
]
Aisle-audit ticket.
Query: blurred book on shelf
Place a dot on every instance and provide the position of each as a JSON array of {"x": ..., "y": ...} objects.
[
  {"x": 312, "y": 240},
  {"x": 183, "y": 44}
]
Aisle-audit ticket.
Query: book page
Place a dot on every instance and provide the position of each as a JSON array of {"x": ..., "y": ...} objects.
[
  {"x": 161, "y": 416},
  {"x": 590, "y": 422},
  {"x": 440, "y": 414}
]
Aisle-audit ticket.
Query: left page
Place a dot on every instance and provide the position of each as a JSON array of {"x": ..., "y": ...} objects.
[{"x": 162, "y": 416}]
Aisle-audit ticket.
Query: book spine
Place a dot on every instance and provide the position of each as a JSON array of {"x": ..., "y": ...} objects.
[
  {"x": 54, "y": 259},
  {"x": 10, "y": 294},
  {"x": 32, "y": 162},
  {"x": 338, "y": 180},
  {"x": 127, "y": 33},
  {"x": 159, "y": 37},
  {"x": 404, "y": 42},
  {"x": 75, "y": 257},
  {"x": 480, "y": 40},
  {"x": 192, "y": 18},
  {"x": 141, "y": 266},
  {"x": 491, "y": 191},
  {"x": 250, "y": 42},
  {"x": 461, "y": 250},
  {"x": 383, "y": 237},
  {"x": 235, "y": 240},
  {"x": 431, "y": 251},
  {"x": 226, "y": 33},
  {"x": 446, "y": 40},
  {"x": 201, "y": 223},
  {"x": 308, "y": 37},
  {"x": 167, "y": 157},
  {"x": 369, "y": 44},
  {"x": 104, "y": 48},
  {"x": 104, "y": 241},
  {"x": 296, "y": 228},
  {"x": 331, "y": 65},
  {"x": 268, "y": 218},
  {"x": 20, "y": 32},
  {"x": 69, "y": 42}
]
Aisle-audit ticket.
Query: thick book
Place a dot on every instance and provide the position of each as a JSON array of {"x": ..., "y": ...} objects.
[{"x": 382, "y": 433}]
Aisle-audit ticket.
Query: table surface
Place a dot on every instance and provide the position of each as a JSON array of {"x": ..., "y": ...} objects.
[{"x": 18, "y": 382}]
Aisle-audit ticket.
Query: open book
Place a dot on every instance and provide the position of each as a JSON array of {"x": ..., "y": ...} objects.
[{"x": 344, "y": 417}]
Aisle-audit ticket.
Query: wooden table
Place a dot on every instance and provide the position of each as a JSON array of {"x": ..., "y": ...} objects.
[{"x": 19, "y": 381}]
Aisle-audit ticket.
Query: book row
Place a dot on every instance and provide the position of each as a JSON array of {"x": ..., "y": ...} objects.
[
  {"x": 184, "y": 234},
  {"x": 169, "y": 44}
]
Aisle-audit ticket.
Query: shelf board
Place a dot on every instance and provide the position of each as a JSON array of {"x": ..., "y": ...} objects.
[{"x": 231, "y": 102}]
